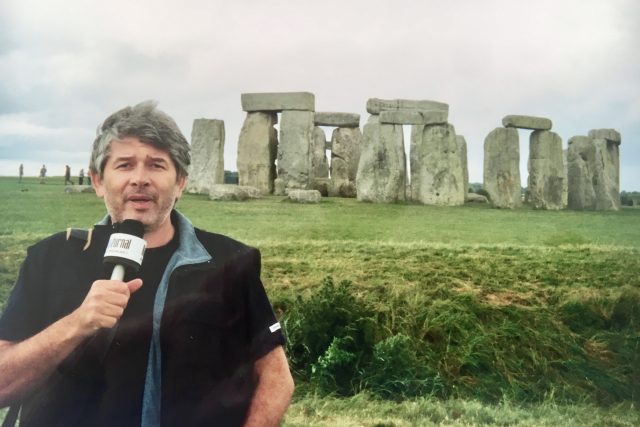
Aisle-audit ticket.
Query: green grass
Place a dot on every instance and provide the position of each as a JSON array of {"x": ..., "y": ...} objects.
[{"x": 524, "y": 317}]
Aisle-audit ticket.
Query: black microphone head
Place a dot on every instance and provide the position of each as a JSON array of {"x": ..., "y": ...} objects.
[
  {"x": 130, "y": 226},
  {"x": 126, "y": 245}
]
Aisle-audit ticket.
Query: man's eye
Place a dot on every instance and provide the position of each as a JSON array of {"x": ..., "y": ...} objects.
[
  {"x": 122, "y": 165},
  {"x": 157, "y": 165}
]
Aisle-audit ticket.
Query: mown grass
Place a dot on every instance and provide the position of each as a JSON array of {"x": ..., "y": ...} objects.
[{"x": 533, "y": 308}]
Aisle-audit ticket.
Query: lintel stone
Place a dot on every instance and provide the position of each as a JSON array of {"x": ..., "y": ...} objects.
[
  {"x": 526, "y": 122},
  {"x": 611, "y": 135},
  {"x": 423, "y": 117},
  {"x": 343, "y": 120},
  {"x": 278, "y": 101},
  {"x": 376, "y": 105}
]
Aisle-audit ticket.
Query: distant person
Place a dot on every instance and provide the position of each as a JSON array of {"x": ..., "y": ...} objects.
[
  {"x": 43, "y": 174},
  {"x": 67, "y": 175},
  {"x": 20, "y": 172},
  {"x": 81, "y": 177}
]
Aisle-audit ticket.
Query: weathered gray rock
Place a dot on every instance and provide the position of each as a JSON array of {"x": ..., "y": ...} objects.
[
  {"x": 462, "y": 149},
  {"x": 322, "y": 185},
  {"x": 437, "y": 176},
  {"x": 75, "y": 189},
  {"x": 305, "y": 196},
  {"x": 278, "y": 101},
  {"x": 382, "y": 172},
  {"x": 476, "y": 198},
  {"x": 417, "y": 117},
  {"x": 610, "y": 135},
  {"x": 345, "y": 155},
  {"x": 526, "y": 122},
  {"x": 502, "y": 168},
  {"x": 593, "y": 174},
  {"x": 224, "y": 192},
  {"x": 546, "y": 182},
  {"x": 581, "y": 164},
  {"x": 376, "y": 105},
  {"x": 608, "y": 184},
  {"x": 319, "y": 162},
  {"x": 207, "y": 155},
  {"x": 257, "y": 150},
  {"x": 343, "y": 120},
  {"x": 296, "y": 136}
]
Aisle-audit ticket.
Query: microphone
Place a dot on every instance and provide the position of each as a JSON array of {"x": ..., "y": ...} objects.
[{"x": 125, "y": 248}]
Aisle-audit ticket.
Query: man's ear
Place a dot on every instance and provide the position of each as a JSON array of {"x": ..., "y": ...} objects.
[
  {"x": 181, "y": 184},
  {"x": 96, "y": 183}
]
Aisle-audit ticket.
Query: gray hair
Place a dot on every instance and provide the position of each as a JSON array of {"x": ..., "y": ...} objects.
[{"x": 149, "y": 125}]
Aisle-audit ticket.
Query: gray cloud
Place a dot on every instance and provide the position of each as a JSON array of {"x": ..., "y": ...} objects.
[{"x": 66, "y": 66}]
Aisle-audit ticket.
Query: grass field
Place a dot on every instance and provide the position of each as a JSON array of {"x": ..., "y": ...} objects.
[{"x": 522, "y": 317}]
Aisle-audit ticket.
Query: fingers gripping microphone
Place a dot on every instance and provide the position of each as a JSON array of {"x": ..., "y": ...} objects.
[{"x": 125, "y": 248}]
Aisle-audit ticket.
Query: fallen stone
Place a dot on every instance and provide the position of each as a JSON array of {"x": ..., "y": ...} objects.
[
  {"x": 257, "y": 150},
  {"x": 207, "y": 155},
  {"x": 421, "y": 117},
  {"x": 382, "y": 173},
  {"x": 546, "y": 181},
  {"x": 475, "y": 198},
  {"x": 502, "y": 168},
  {"x": 305, "y": 196},
  {"x": 278, "y": 101},
  {"x": 526, "y": 122},
  {"x": 75, "y": 189},
  {"x": 225, "y": 192},
  {"x": 437, "y": 176},
  {"x": 344, "y": 120},
  {"x": 376, "y": 105},
  {"x": 610, "y": 135}
]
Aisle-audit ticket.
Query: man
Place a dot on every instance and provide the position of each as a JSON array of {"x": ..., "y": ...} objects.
[
  {"x": 43, "y": 174},
  {"x": 189, "y": 341},
  {"x": 67, "y": 175},
  {"x": 20, "y": 173}
]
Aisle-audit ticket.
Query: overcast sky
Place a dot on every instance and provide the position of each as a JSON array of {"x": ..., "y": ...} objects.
[{"x": 64, "y": 66}]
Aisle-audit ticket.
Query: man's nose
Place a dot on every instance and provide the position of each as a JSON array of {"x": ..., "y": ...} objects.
[{"x": 140, "y": 176}]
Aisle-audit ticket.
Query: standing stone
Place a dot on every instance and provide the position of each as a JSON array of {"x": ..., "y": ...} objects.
[
  {"x": 437, "y": 176},
  {"x": 257, "y": 148},
  {"x": 382, "y": 171},
  {"x": 610, "y": 135},
  {"x": 581, "y": 164},
  {"x": 502, "y": 168},
  {"x": 345, "y": 156},
  {"x": 593, "y": 174},
  {"x": 546, "y": 171},
  {"x": 207, "y": 155},
  {"x": 294, "y": 166},
  {"x": 319, "y": 163},
  {"x": 608, "y": 169},
  {"x": 462, "y": 149}
]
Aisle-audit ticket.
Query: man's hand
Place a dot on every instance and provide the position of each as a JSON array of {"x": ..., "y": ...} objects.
[
  {"x": 104, "y": 304},
  {"x": 26, "y": 364}
]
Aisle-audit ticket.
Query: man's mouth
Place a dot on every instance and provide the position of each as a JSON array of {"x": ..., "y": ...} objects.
[{"x": 139, "y": 200}]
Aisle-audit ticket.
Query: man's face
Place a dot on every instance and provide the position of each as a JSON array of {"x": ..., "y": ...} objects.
[{"x": 139, "y": 182}]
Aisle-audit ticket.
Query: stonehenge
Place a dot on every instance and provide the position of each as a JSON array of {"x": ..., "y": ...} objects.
[{"x": 371, "y": 164}]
